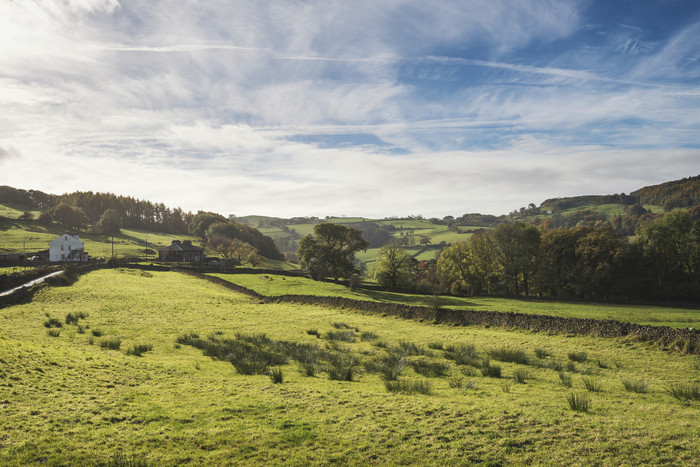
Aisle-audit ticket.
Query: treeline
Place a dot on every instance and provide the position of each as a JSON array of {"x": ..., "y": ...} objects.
[
  {"x": 579, "y": 263},
  {"x": 89, "y": 207},
  {"x": 562, "y": 204},
  {"x": 670, "y": 195}
]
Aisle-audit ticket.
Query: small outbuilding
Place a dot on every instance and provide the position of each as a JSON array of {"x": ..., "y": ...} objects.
[
  {"x": 67, "y": 248},
  {"x": 181, "y": 252}
]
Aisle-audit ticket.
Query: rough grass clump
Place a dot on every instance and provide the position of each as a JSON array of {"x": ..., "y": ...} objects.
[
  {"x": 342, "y": 368},
  {"x": 520, "y": 376},
  {"x": 685, "y": 392},
  {"x": 463, "y": 354},
  {"x": 542, "y": 353},
  {"x": 111, "y": 344},
  {"x": 341, "y": 326},
  {"x": 139, "y": 349},
  {"x": 408, "y": 387},
  {"x": 410, "y": 348},
  {"x": 53, "y": 323},
  {"x": 276, "y": 376},
  {"x": 313, "y": 332},
  {"x": 97, "y": 333},
  {"x": 592, "y": 384},
  {"x": 579, "y": 357},
  {"x": 368, "y": 336},
  {"x": 73, "y": 318},
  {"x": 508, "y": 355},
  {"x": 579, "y": 402},
  {"x": 430, "y": 369},
  {"x": 490, "y": 370},
  {"x": 435, "y": 345},
  {"x": 390, "y": 365},
  {"x": 639, "y": 386},
  {"x": 565, "y": 379},
  {"x": 53, "y": 332},
  {"x": 343, "y": 336}
]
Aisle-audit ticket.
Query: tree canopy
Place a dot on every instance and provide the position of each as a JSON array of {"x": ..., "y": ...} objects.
[{"x": 330, "y": 251}]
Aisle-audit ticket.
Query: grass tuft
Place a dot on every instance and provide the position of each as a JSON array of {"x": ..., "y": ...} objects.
[
  {"x": 408, "y": 387},
  {"x": 343, "y": 336},
  {"x": 639, "y": 386},
  {"x": 430, "y": 369},
  {"x": 490, "y": 370},
  {"x": 276, "y": 376},
  {"x": 139, "y": 349},
  {"x": 542, "y": 353},
  {"x": 508, "y": 355},
  {"x": 53, "y": 323},
  {"x": 579, "y": 402},
  {"x": 111, "y": 344},
  {"x": 565, "y": 379},
  {"x": 73, "y": 318},
  {"x": 579, "y": 357},
  {"x": 520, "y": 376},
  {"x": 463, "y": 354},
  {"x": 436, "y": 345},
  {"x": 592, "y": 384},
  {"x": 53, "y": 332},
  {"x": 685, "y": 392}
]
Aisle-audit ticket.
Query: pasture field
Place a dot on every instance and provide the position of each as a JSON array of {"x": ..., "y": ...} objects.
[
  {"x": 638, "y": 314},
  {"x": 75, "y": 398},
  {"x": 17, "y": 236}
]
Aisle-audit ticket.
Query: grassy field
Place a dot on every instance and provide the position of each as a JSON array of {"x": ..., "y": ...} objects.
[
  {"x": 18, "y": 236},
  {"x": 652, "y": 315},
  {"x": 70, "y": 399}
]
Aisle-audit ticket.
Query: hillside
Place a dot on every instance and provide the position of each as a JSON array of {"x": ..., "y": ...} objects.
[
  {"x": 81, "y": 394},
  {"x": 676, "y": 194}
]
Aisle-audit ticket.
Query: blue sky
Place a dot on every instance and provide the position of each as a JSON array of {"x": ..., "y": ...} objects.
[{"x": 373, "y": 108}]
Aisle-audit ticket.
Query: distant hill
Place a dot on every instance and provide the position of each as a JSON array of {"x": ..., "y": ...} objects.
[{"x": 682, "y": 193}]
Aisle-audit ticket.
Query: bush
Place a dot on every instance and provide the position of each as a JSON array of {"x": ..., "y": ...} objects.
[
  {"x": 639, "y": 386},
  {"x": 580, "y": 402},
  {"x": 139, "y": 349},
  {"x": 579, "y": 357},
  {"x": 408, "y": 387},
  {"x": 276, "y": 376},
  {"x": 111, "y": 344}
]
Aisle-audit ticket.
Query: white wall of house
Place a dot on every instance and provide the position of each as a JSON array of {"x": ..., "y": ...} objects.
[{"x": 66, "y": 248}]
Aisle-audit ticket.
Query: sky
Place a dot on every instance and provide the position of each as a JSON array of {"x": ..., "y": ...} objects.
[{"x": 328, "y": 108}]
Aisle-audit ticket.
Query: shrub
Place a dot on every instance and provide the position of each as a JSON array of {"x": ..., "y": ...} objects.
[
  {"x": 408, "y": 387},
  {"x": 139, "y": 349},
  {"x": 53, "y": 332},
  {"x": 685, "y": 392},
  {"x": 430, "y": 369},
  {"x": 579, "y": 357},
  {"x": 520, "y": 376},
  {"x": 509, "y": 355},
  {"x": 111, "y": 344},
  {"x": 542, "y": 353},
  {"x": 565, "y": 379},
  {"x": 580, "y": 402},
  {"x": 592, "y": 384},
  {"x": 639, "y": 386},
  {"x": 276, "y": 376}
]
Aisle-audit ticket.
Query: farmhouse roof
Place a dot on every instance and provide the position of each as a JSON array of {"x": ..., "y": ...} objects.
[{"x": 178, "y": 245}]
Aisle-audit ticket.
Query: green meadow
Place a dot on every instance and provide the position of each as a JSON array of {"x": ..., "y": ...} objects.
[
  {"x": 417, "y": 393},
  {"x": 271, "y": 285}
]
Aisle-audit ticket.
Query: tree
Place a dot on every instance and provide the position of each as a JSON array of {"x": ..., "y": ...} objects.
[
  {"x": 69, "y": 217},
  {"x": 454, "y": 267},
  {"x": 330, "y": 251},
  {"x": 393, "y": 267},
  {"x": 202, "y": 221},
  {"x": 109, "y": 223},
  {"x": 26, "y": 216},
  {"x": 516, "y": 245}
]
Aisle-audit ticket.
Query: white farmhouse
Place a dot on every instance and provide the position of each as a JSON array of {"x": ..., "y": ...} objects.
[{"x": 67, "y": 248}]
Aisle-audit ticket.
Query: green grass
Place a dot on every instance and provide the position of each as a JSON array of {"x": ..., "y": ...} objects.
[
  {"x": 65, "y": 401},
  {"x": 639, "y": 314}
]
